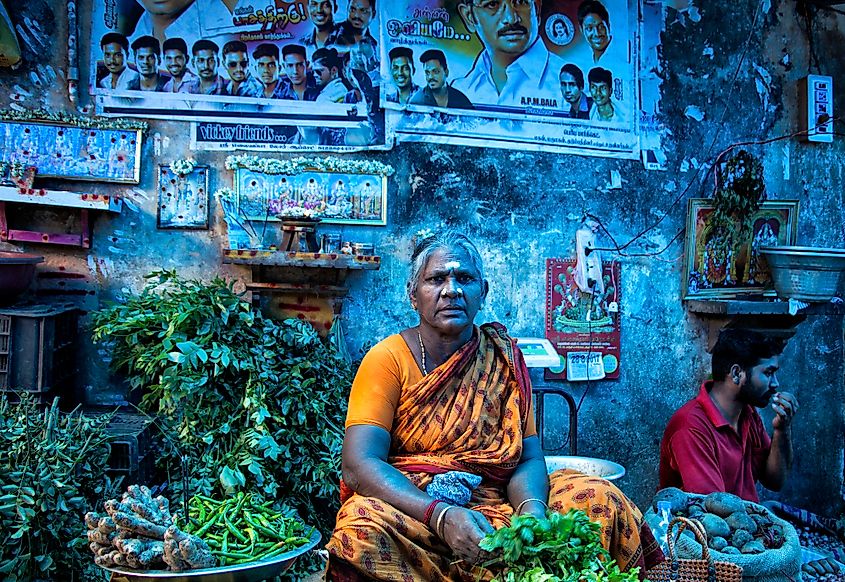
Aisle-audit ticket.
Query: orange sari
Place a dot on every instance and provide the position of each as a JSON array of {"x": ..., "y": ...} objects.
[{"x": 470, "y": 415}]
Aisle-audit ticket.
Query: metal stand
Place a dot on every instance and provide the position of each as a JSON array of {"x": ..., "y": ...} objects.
[{"x": 541, "y": 392}]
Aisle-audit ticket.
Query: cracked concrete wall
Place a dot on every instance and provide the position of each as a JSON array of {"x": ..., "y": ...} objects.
[{"x": 730, "y": 72}]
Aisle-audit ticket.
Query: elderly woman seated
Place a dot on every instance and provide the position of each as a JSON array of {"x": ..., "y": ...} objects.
[{"x": 441, "y": 447}]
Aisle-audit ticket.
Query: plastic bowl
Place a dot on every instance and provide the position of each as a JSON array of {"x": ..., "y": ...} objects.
[
  {"x": 16, "y": 273},
  {"x": 806, "y": 273},
  {"x": 587, "y": 465}
]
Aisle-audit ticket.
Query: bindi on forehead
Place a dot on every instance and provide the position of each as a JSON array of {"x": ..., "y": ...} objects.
[{"x": 452, "y": 265}]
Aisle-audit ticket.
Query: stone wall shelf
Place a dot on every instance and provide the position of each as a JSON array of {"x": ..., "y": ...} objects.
[
  {"x": 82, "y": 201},
  {"x": 266, "y": 258},
  {"x": 769, "y": 317}
]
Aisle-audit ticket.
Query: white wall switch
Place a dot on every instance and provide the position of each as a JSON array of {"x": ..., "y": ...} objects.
[{"x": 816, "y": 103}]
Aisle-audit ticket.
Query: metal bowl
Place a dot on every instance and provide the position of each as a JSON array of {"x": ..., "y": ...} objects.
[
  {"x": 587, "y": 465},
  {"x": 806, "y": 273},
  {"x": 251, "y": 572}
]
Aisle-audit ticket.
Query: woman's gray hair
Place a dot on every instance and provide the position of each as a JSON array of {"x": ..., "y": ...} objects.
[{"x": 447, "y": 239}]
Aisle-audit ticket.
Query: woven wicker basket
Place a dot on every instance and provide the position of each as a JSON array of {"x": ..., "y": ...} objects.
[{"x": 704, "y": 570}]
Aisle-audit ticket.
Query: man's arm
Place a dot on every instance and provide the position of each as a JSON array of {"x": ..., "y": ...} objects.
[{"x": 779, "y": 461}]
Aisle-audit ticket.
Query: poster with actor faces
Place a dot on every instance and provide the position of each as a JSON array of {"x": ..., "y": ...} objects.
[
  {"x": 309, "y": 70},
  {"x": 534, "y": 74}
]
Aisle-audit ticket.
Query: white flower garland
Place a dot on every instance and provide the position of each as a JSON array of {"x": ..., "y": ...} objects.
[
  {"x": 183, "y": 167},
  {"x": 302, "y": 164}
]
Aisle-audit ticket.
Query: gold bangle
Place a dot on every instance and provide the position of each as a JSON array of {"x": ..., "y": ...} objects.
[
  {"x": 524, "y": 501},
  {"x": 439, "y": 525}
]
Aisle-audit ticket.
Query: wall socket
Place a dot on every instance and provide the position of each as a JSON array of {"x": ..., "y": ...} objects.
[{"x": 815, "y": 100}]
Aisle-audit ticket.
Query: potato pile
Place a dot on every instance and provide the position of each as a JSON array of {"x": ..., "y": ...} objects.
[
  {"x": 138, "y": 532},
  {"x": 733, "y": 526}
]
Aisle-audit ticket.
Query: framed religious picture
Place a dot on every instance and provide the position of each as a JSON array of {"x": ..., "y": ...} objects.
[
  {"x": 100, "y": 150},
  {"x": 725, "y": 262},
  {"x": 336, "y": 191},
  {"x": 183, "y": 197}
]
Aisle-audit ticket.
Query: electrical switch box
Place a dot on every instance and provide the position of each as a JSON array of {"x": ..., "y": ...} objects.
[{"x": 816, "y": 104}]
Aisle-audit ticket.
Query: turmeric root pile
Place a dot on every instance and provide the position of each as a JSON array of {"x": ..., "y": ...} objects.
[{"x": 139, "y": 532}]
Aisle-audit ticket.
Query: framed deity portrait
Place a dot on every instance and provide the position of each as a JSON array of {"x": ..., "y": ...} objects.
[
  {"x": 108, "y": 151},
  {"x": 719, "y": 263},
  {"x": 182, "y": 198},
  {"x": 337, "y": 197}
]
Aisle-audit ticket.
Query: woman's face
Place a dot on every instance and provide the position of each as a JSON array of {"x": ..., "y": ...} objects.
[{"x": 449, "y": 292}]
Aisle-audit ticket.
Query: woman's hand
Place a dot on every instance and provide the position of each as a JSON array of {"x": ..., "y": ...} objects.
[{"x": 462, "y": 530}]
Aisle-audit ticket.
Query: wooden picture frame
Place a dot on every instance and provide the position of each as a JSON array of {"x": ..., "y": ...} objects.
[
  {"x": 349, "y": 197},
  {"x": 98, "y": 153},
  {"x": 715, "y": 268},
  {"x": 182, "y": 201}
]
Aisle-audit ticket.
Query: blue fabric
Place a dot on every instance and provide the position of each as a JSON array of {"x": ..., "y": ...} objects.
[{"x": 454, "y": 487}]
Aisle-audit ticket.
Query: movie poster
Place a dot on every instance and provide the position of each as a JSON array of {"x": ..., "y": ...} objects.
[
  {"x": 583, "y": 327},
  {"x": 307, "y": 69},
  {"x": 558, "y": 75}
]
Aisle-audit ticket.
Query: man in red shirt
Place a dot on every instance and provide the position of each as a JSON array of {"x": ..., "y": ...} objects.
[{"x": 717, "y": 442}]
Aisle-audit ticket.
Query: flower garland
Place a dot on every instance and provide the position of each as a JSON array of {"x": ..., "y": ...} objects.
[
  {"x": 44, "y": 116},
  {"x": 183, "y": 167},
  {"x": 302, "y": 164}
]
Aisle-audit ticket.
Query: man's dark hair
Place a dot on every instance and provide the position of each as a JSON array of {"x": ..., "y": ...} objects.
[
  {"x": 743, "y": 347},
  {"x": 600, "y": 75},
  {"x": 175, "y": 43},
  {"x": 372, "y": 4},
  {"x": 147, "y": 41},
  {"x": 204, "y": 44},
  {"x": 266, "y": 49},
  {"x": 572, "y": 69},
  {"x": 592, "y": 7},
  {"x": 234, "y": 46},
  {"x": 434, "y": 55},
  {"x": 294, "y": 49},
  {"x": 401, "y": 51},
  {"x": 116, "y": 38},
  {"x": 328, "y": 56}
]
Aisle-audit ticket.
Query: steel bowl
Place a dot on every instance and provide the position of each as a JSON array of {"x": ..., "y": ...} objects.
[
  {"x": 587, "y": 465},
  {"x": 250, "y": 572},
  {"x": 806, "y": 273}
]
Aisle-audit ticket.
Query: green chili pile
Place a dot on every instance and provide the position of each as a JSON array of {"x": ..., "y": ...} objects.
[
  {"x": 561, "y": 548},
  {"x": 240, "y": 530}
]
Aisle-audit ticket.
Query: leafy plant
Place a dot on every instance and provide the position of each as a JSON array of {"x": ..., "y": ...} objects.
[
  {"x": 561, "y": 548},
  {"x": 251, "y": 403},
  {"x": 51, "y": 473},
  {"x": 739, "y": 192}
]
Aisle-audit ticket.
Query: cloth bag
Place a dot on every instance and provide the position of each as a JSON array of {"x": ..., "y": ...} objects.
[
  {"x": 776, "y": 565},
  {"x": 705, "y": 569}
]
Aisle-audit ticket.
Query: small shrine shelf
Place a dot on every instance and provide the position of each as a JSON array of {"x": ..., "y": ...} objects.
[{"x": 82, "y": 201}]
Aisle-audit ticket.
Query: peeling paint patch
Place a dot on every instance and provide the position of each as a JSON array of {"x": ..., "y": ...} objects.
[
  {"x": 708, "y": 52},
  {"x": 694, "y": 112},
  {"x": 786, "y": 169}
]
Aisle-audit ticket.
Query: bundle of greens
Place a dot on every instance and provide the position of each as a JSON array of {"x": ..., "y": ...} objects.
[{"x": 561, "y": 548}]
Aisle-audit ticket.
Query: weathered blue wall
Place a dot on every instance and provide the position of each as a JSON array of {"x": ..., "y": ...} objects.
[{"x": 523, "y": 207}]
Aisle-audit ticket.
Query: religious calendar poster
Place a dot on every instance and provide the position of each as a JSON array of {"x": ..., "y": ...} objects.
[{"x": 582, "y": 326}]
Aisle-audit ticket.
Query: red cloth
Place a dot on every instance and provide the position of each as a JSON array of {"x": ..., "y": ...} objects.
[{"x": 702, "y": 453}]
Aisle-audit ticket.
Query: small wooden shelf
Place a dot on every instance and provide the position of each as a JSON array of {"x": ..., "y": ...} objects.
[
  {"x": 299, "y": 288},
  {"x": 264, "y": 258},
  {"x": 81, "y": 201}
]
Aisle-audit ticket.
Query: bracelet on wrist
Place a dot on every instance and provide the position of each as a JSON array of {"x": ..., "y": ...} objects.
[
  {"x": 530, "y": 499},
  {"x": 438, "y": 528},
  {"x": 429, "y": 511}
]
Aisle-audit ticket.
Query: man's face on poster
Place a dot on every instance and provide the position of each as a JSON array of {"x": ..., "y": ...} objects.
[
  {"x": 360, "y": 14},
  {"x": 569, "y": 89},
  {"x": 558, "y": 29},
  {"x": 595, "y": 32},
  {"x": 146, "y": 60},
  {"x": 114, "y": 59},
  {"x": 165, "y": 7},
  {"x": 323, "y": 74},
  {"x": 268, "y": 69},
  {"x": 402, "y": 71},
  {"x": 205, "y": 62},
  {"x": 435, "y": 74},
  {"x": 321, "y": 12},
  {"x": 175, "y": 61},
  {"x": 237, "y": 64},
  {"x": 600, "y": 93},
  {"x": 295, "y": 66},
  {"x": 507, "y": 26}
]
